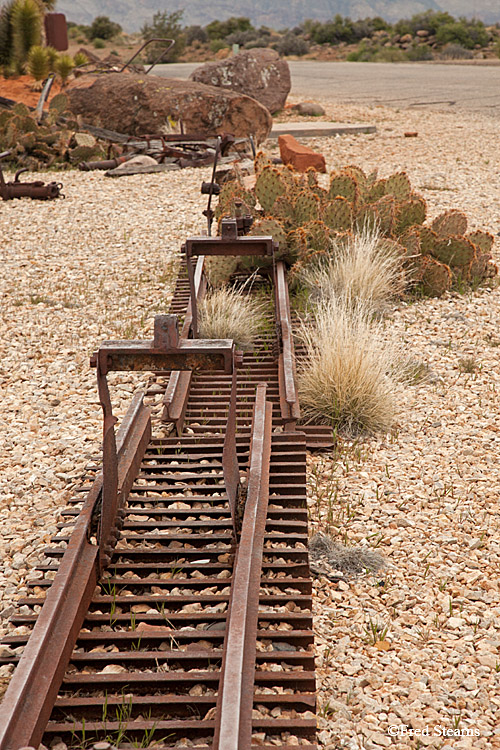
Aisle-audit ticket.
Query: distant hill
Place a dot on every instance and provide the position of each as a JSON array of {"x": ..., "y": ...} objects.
[{"x": 132, "y": 14}]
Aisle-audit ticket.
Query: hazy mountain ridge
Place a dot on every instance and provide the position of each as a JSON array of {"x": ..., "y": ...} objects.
[{"x": 132, "y": 14}]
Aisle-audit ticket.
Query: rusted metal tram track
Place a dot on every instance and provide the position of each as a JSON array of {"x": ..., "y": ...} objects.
[{"x": 188, "y": 627}]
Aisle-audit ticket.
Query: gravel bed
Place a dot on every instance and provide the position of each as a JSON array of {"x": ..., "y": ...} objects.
[{"x": 417, "y": 644}]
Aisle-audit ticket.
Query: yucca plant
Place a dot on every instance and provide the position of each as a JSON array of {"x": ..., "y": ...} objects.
[
  {"x": 80, "y": 59},
  {"x": 26, "y": 21},
  {"x": 53, "y": 56},
  {"x": 63, "y": 67},
  {"x": 38, "y": 62},
  {"x": 6, "y": 33}
]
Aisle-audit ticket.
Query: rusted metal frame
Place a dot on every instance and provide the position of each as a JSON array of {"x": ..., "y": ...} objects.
[
  {"x": 236, "y": 688},
  {"x": 230, "y": 466},
  {"x": 289, "y": 401},
  {"x": 36, "y": 681},
  {"x": 133, "y": 355},
  {"x": 150, "y": 41},
  {"x": 140, "y": 356},
  {"x": 179, "y": 384},
  {"x": 229, "y": 243}
]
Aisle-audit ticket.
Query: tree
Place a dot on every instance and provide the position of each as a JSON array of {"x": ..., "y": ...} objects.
[
  {"x": 103, "y": 28},
  {"x": 222, "y": 29},
  {"x": 166, "y": 26}
]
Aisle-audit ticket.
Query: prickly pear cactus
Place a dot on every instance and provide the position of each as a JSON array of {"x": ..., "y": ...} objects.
[
  {"x": 343, "y": 186},
  {"x": 306, "y": 207},
  {"x": 410, "y": 240},
  {"x": 409, "y": 213},
  {"x": 270, "y": 227},
  {"x": 337, "y": 214},
  {"x": 220, "y": 268},
  {"x": 261, "y": 160},
  {"x": 399, "y": 186},
  {"x": 450, "y": 222},
  {"x": 454, "y": 251},
  {"x": 268, "y": 186},
  {"x": 436, "y": 277}
]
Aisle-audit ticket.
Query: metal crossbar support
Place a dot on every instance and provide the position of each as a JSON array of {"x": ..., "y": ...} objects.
[
  {"x": 229, "y": 243},
  {"x": 167, "y": 351}
]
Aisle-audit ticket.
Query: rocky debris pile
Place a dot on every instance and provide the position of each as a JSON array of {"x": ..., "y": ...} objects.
[
  {"x": 138, "y": 104},
  {"x": 259, "y": 73},
  {"x": 59, "y": 140}
]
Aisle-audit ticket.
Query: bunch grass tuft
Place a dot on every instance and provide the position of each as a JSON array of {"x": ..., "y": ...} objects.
[{"x": 231, "y": 313}]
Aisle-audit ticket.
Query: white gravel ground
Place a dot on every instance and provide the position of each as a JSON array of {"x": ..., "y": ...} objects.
[{"x": 99, "y": 265}]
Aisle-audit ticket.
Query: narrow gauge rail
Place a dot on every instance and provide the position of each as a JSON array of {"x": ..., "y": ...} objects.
[{"x": 175, "y": 604}]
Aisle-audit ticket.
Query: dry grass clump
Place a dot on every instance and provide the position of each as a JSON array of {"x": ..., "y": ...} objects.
[
  {"x": 229, "y": 313},
  {"x": 348, "y": 376},
  {"x": 365, "y": 268}
]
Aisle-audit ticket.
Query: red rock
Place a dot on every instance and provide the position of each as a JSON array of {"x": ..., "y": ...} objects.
[
  {"x": 139, "y": 104},
  {"x": 299, "y": 156}
]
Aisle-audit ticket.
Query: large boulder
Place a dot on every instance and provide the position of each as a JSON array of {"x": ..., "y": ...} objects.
[
  {"x": 259, "y": 73},
  {"x": 141, "y": 104}
]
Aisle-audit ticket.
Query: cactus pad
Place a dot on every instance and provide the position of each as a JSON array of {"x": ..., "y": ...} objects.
[
  {"x": 436, "y": 277},
  {"x": 409, "y": 213},
  {"x": 343, "y": 185},
  {"x": 399, "y": 186},
  {"x": 219, "y": 268},
  {"x": 410, "y": 240},
  {"x": 428, "y": 240},
  {"x": 450, "y": 222},
  {"x": 482, "y": 240},
  {"x": 337, "y": 214},
  {"x": 261, "y": 160},
  {"x": 306, "y": 207},
  {"x": 268, "y": 186},
  {"x": 454, "y": 251}
]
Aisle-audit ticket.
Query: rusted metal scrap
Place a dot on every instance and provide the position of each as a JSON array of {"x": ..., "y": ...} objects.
[
  {"x": 38, "y": 189},
  {"x": 182, "y": 149}
]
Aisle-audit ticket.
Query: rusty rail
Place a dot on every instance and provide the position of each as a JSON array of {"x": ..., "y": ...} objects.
[
  {"x": 230, "y": 464},
  {"x": 234, "y": 726},
  {"x": 177, "y": 391},
  {"x": 35, "y": 683},
  {"x": 289, "y": 401}
]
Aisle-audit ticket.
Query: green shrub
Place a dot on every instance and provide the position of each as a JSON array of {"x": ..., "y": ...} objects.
[
  {"x": 217, "y": 44},
  {"x": 292, "y": 44},
  {"x": 53, "y": 56},
  {"x": 167, "y": 26},
  {"x": 222, "y": 29},
  {"x": 80, "y": 59},
  {"x": 419, "y": 52},
  {"x": 103, "y": 28},
  {"x": 99, "y": 43},
  {"x": 463, "y": 32}
]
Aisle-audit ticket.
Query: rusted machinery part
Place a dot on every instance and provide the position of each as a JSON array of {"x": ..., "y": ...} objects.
[
  {"x": 233, "y": 729},
  {"x": 38, "y": 190}
]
